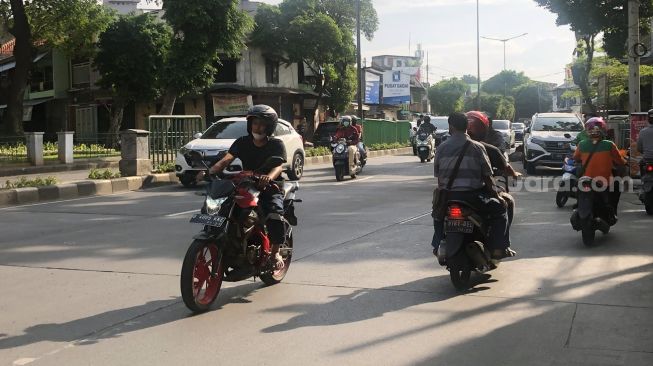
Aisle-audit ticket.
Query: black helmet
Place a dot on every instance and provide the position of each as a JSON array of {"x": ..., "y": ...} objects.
[
  {"x": 427, "y": 118},
  {"x": 650, "y": 116},
  {"x": 267, "y": 114},
  {"x": 354, "y": 120}
]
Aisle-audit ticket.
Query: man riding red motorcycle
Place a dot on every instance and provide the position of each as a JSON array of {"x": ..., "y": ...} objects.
[{"x": 350, "y": 133}]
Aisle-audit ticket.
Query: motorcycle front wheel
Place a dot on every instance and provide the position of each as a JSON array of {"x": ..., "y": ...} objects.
[
  {"x": 340, "y": 172},
  {"x": 201, "y": 275},
  {"x": 272, "y": 278}
]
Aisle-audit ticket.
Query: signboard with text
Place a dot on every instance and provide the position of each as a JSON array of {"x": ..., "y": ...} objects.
[
  {"x": 372, "y": 86},
  {"x": 231, "y": 104},
  {"x": 396, "y": 87}
]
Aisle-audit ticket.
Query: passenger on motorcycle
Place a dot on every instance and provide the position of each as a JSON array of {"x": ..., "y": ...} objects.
[
  {"x": 361, "y": 146},
  {"x": 350, "y": 133},
  {"x": 253, "y": 150},
  {"x": 645, "y": 141},
  {"x": 478, "y": 127},
  {"x": 605, "y": 158},
  {"x": 473, "y": 184}
]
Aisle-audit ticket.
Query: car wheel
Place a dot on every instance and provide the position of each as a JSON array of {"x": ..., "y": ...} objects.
[{"x": 297, "y": 169}]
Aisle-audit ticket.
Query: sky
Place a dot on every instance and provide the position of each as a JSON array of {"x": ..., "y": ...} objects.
[{"x": 446, "y": 29}]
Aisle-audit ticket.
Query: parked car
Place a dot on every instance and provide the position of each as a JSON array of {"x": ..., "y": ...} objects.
[
  {"x": 503, "y": 126},
  {"x": 324, "y": 132},
  {"x": 216, "y": 140},
  {"x": 442, "y": 123},
  {"x": 549, "y": 139},
  {"x": 518, "y": 127}
]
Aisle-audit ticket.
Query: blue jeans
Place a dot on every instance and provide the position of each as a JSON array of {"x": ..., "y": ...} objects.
[{"x": 499, "y": 234}]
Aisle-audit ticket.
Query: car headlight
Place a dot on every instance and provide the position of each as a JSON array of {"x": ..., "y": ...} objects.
[
  {"x": 340, "y": 149},
  {"x": 537, "y": 141},
  {"x": 213, "y": 205}
]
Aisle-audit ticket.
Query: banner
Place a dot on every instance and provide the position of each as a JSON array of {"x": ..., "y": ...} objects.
[
  {"x": 231, "y": 104},
  {"x": 412, "y": 71},
  {"x": 372, "y": 86},
  {"x": 638, "y": 121},
  {"x": 396, "y": 87}
]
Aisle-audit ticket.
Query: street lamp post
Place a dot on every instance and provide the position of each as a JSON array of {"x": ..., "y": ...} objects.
[
  {"x": 504, "y": 40},
  {"x": 478, "y": 60},
  {"x": 359, "y": 98}
]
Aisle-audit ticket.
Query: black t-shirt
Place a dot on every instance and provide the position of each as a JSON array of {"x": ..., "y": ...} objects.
[
  {"x": 253, "y": 156},
  {"x": 497, "y": 159}
]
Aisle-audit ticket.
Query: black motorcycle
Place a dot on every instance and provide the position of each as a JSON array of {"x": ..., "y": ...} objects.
[
  {"x": 594, "y": 211},
  {"x": 340, "y": 156},
  {"x": 646, "y": 194}
]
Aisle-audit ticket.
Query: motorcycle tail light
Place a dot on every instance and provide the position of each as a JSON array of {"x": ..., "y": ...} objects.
[
  {"x": 649, "y": 168},
  {"x": 455, "y": 212}
]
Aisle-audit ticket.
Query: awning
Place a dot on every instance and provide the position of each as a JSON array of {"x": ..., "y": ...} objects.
[
  {"x": 260, "y": 90},
  {"x": 30, "y": 102},
  {"x": 12, "y": 64}
]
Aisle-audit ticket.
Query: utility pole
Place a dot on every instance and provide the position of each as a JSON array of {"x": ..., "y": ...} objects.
[
  {"x": 478, "y": 60},
  {"x": 633, "y": 58},
  {"x": 358, "y": 57}
]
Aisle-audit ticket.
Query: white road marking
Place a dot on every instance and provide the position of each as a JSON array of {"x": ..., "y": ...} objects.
[
  {"x": 182, "y": 213},
  {"x": 413, "y": 218},
  {"x": 355, "y": 180}
]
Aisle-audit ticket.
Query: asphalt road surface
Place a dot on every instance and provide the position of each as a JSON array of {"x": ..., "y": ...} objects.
[{"x": 95, "y": 281}]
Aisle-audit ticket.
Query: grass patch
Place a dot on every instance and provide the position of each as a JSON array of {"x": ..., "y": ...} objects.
[
  {"x": 164, "y": 168},
  {"x": 317, "y": 151},
  {"x": 37, "y": 182},
  {"x": 103, "y": 174}
]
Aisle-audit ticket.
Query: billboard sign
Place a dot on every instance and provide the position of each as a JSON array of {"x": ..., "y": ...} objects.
[
  {"x": 372, "y": 86},
  {"x": 396, "y": 87},
  {"x": 231, "y": 104}
]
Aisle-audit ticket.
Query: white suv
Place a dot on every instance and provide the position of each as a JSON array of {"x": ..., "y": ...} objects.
[
  {"x": 217, "y": 139},
  {"x": 550, "y": 138}
]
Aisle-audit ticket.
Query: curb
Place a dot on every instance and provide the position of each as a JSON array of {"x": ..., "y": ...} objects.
[
  {"x": 19, "y": 196},
  {"x": 56, "y": 168},
  {"x": 326, "y": 159}
]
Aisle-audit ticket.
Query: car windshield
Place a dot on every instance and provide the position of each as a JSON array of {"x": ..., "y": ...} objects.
[
  {"x": 501, "y": 124},
  {"x": 441, "y": 123},
  {"x": 226, "y": 130},
  {"x": 517, "y": 126},
  {"x": 571, "y": 124}
]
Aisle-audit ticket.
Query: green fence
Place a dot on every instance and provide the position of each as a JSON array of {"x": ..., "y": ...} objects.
[
  {"x": 169, "y": 133},
  {"x": 377, "y": 131}
]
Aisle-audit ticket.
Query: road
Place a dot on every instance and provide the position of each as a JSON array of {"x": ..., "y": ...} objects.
[{"x": 95, "y": 281}]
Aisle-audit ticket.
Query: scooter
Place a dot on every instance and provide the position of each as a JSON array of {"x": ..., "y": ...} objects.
[
  {"x": 594, "y": 212},
  {"x": 569, "y": 183},
  {"x": 425, "y": 146},
  {"x": 340, "y": 156},
  {"x": 646, "y": 194}
]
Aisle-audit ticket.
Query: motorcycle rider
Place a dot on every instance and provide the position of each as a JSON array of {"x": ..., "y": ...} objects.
[
  {"x": 478, "y": 127},
  {"x": 494, "y": 137},
  {"x": 427, "y": 126},
  {"x": 473, "y": 184},
  {"x": 361, "y": 146},
  {"x": 253, "y": 150},
  {"x": 645, "y": 142},
  {"x": 605, "y": 158},
  {"x": 350, "y": 133}
]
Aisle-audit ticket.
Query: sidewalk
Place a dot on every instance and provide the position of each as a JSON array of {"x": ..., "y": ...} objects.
[{"x": 82, "y": 164}]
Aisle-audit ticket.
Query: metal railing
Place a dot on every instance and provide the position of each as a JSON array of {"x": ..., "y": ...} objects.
[
  {"x": 13, "y": 150},
  {"x": 100, "y": 145},
  {"x": 169, "y": 133}
]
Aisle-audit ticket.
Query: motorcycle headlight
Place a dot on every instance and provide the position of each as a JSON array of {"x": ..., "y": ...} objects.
[
  {"x": 213, "y": 205},
  {"x": 340, "y": 149}
]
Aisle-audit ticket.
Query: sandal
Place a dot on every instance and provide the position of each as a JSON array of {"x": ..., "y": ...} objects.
[
  {"x": 503, "y": 253},
  {"x": 278, "y": 262}
]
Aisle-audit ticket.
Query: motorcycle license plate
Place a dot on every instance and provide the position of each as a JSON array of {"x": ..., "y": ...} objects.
[
  {"x": 210, "y": 220},
  {"x": 422, "y": 148},
  {"x": 459, "y": 226}
]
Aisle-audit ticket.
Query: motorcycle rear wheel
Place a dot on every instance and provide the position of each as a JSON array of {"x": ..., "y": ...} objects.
[
  {"x": 277, "y": 276},
  {"x": 561, "y": 199},
  {"x": 460, "y": 271},
  {"x": 202, "y": 273}
]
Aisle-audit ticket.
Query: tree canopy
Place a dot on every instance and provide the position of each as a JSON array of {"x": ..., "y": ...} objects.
[
  {"x": 447, "y": 96},
  {"x": 504, "y": 82}
]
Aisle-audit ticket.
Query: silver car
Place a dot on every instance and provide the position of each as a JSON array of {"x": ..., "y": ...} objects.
[{"x": 504, "y": 127}]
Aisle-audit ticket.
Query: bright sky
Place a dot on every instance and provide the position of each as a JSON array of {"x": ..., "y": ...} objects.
[{"x": 447, "y": 30}]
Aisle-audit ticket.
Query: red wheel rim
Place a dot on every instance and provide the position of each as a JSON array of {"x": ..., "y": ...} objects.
[{"x": 205, "y": 286}]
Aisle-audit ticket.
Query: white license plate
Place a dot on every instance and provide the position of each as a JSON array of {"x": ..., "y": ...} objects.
[
  {"x": 210, "y": 220},
  {"x": 422, "y": 148},
  {"x": 459, "y": 226}
]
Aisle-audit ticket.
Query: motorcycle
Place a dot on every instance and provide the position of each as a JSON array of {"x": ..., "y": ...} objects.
[
  {"x": 593, "y": 212},
  {"x": 425, "y": 146},
  {"x": 569, "y": 183},
  {"x": 340, "y": 155},
  {"x": 233, "y": 244},
  {"x": 646, "y": 194}
]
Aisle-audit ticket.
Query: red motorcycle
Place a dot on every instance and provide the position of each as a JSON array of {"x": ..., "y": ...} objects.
[{"x": 234, "y": 245}]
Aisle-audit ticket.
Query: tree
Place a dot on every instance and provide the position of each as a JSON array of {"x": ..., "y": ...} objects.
[
  {"x": 504, "y": 82},
  {"x": 319, "y": 34},
  {"x": 530, "y": 99},
  {"x": 131, "y": 58},
  {"x": 589, "y": 18},
  {"x": 616, "y": 74},
  {"x": 497, "y": 106},
  {"x": 203, "y": 31},
  {"x": 470, "y": 79},
  {"x": 69, "y": 25},
  {"x": 447, "y": 96}
]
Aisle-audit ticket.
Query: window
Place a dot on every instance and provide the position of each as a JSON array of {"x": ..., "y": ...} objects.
[
  {"x": 227, "y": 72},
  {"x": 81, "y": 75},
  {"x": 271, "y": 71},
  {"x": 281, "y": 130}
]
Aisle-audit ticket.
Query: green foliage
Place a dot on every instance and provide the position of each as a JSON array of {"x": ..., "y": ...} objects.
[
  {"x": 203, "y": 29},
  {"x": 497, "y": 106},
  {"x": 504, "y": 82},
  {"x": 37, "y": 182},
  {"x": 447, "y": 96},
  {"x": 317, "y": 151},
  {"x": 164, "y": 168},
  {"x": 531, "y": 98},
  {"x": 617, "y": 79},
  {"x": 131, "y": 57},
  {"x": 342, "y": 87},
  {"x": 469, "y": 79},
  {"x": 388, "y": 146},
  {"x": 103, "y": 174}
]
